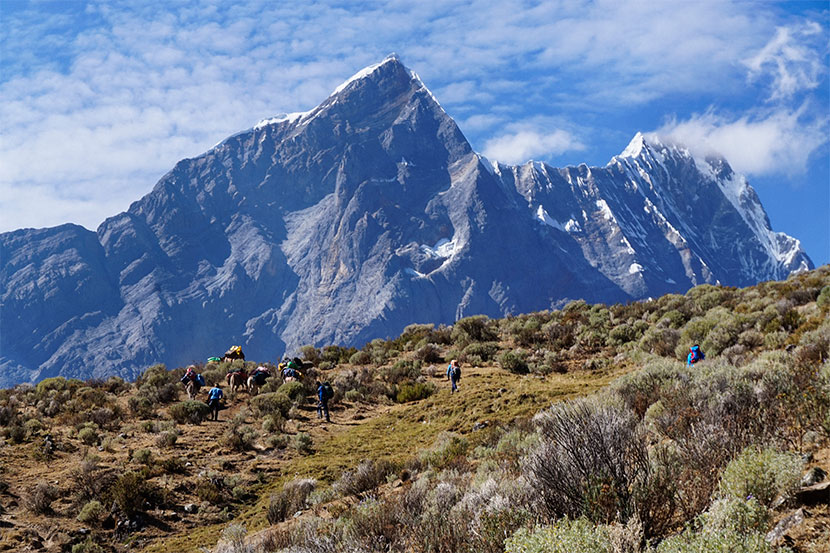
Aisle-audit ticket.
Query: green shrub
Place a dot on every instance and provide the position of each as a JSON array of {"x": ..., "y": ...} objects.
[
  {"x": 761, "y": 474},
  {"x": 450, "y": 449},
  {"x": 565, "y": 536},
  {"x": 239, "y": 437},
  {"x": 513, "y": 361},
  {"x": 294, "y": 390},
  {"x": 360, "y": 358},
  {"x": 736, "y": 515},
  {"x": 823, "y": 300},
  {"x": 143, "y": 457},
  {"x": 87, "y": 546},
  {"x": 88, "y": 435},
  {"x": 91, "y": 512},
  {"x": 311, "y": 354},
  {"x": 367, "y": 476},
  {"x": 721, "y": 541},
  {"x": 140, "y": 407},
  {"x": 414, "y": 392},
  {"x": 131, "y": 492},
  {"x": 268, "y": 404},
  {"x": 477, "y": 328},
  {"x": 190, "y": 411},
  {"x": 302, "y": 443},
  {"x": 485, "y": 350},
  {"x": 273, "y": 423}
]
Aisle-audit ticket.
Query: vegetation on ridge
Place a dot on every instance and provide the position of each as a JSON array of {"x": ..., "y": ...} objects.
[{"x": 629, "y": 450}]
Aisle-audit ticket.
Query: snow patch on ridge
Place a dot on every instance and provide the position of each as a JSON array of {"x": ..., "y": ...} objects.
[
  {"x": 543, "y": 216},
  {"x": 443, "y": 249},
  {"x": 365, "y": 72},
  {"x": 290, "y": 117}
]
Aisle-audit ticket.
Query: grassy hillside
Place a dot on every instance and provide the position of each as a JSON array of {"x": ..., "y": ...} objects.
[{"x": 637, "y": 450}]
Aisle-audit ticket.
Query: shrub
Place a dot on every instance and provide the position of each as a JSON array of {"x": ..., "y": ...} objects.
[
  {"x": 87, "y": 546},
  {"x": 143, "y": 457},
  {"x": 88, "y": 435},
  {"x": 91, "y": 512},
  {"x": 239, "y": 437},
  {"x": 660, "y": 341},
  {"x": 591, "y": 461},
  {"x": 414, "y": 392},
  {"x": 273, "y": 423},
  {"x": 294, "y": 390},
  {"x": 311, "y": 354},
  {"x": 428, "y": 353},
  {"x": 367, "y": 476},
  {"x": 210, "y": 491},
  {"x": 565, "y": 536},
  {"x": 131, "y": 492},
  {"x": 736, "y": 515},
  {"x": 823, "y": 300},
  {"x": 191, "y": 411},
  {"x": 692, "y": 541},
  {"x": 513, "y": 361},
  {"x": 292, "y": 498},
  {"x": 761, "y": 474},
  {"x": 140, "y": 407},
  {"x": 450, "y": 449},
  {"x": 360, "y": 358},
  {"x": 484, "y": 350},
  {"x": 473, "y": 329},
  {"x": 302, "y": 443},
  {"x": 39, "y": 500},
  {"x": 167, "y": 439},
  {"x": 268, "y": 404}
]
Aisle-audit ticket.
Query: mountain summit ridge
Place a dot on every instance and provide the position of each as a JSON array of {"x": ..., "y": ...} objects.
[{"x": 356, "y": 218}]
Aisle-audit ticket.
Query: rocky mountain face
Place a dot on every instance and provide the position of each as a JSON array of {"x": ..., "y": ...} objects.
[{"x": 357, "y": 218}]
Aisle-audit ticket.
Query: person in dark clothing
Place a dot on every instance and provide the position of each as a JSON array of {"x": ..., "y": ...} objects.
[
  {"x": 454, "y": 374},
  {"x": 324, "y": 394},
  {"x": 214, "y": 400}
]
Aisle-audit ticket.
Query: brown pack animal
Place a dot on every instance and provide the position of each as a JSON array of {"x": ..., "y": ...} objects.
[{"x": 237, "y": 379}]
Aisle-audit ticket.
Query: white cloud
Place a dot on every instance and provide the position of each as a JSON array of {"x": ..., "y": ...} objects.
[
  {"x": 121, "y": 91},
  {"x": 779, "y": 142},
  {"x": 523, "y": 145},
  {"x": 793, "y": 58}
]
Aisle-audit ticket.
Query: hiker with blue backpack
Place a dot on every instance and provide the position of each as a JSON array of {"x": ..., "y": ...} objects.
[
  {"x": 324, "y": 393},
  {"x": 695, "y": 355},
  {"x": 215, "y": 400},
  {"x": 454, "y": 374}
]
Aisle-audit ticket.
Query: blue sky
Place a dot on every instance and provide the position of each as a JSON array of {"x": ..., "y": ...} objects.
[{"x": 99, "y": 99}]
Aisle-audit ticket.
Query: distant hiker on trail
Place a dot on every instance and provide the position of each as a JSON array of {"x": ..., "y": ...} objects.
[
  {"x": 290, "y": 370},
  {"x": 324, "y": 393},
  {"x": 695, "y": 355},
  {"x": 454, "y": 374},
  {"x": 214, "y": 400}
]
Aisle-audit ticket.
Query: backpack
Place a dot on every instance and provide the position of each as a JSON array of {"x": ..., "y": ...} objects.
[
  {"x": 328, "y": 391},
  {"x": 200, "y": 379},
  {"x": 456, "y": 373}
]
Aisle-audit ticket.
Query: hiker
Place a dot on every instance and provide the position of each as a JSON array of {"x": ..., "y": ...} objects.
[
  {"x": 695, "y": 355},
  {"x": 454, "y": 374},
  {"x": 324, "y": 394},
  {"x": 289, "y": 373},
  {"x": 214, "y": 399}
]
